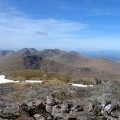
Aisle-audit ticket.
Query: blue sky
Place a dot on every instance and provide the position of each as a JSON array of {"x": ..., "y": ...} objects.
[{"x": 63, "y": 24}]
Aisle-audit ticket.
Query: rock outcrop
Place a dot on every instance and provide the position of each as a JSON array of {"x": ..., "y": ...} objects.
[{"x": 53, "y": 110}]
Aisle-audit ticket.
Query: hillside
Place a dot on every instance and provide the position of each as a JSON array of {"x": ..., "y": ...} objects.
[
  {"x": 57, "y": 97},
  {"x": 56, "y": 61}
]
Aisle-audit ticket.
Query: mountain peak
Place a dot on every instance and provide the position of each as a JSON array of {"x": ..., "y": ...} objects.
[{"x": 28, "y": 51}]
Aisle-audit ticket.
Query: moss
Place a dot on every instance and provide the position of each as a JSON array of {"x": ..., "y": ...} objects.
[
  {"x": 62, "y": 95},
  {"x": 37, "y": 75}
]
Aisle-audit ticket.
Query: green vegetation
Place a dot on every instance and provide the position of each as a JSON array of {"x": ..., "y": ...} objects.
[
  {"x": 111, "y": 87},
  {"x": 37, "y": 75},
  {"x": 62, "y": 95}
]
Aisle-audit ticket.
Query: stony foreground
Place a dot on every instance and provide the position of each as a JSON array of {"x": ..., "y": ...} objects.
[
  {"x": 53, "y": 109},
  {"x": 60, "y": 102}
]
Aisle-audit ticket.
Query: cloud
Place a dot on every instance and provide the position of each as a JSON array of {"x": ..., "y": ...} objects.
[
  {"x": 41, "y": 33},
  {"x": 15, "y": 28}
]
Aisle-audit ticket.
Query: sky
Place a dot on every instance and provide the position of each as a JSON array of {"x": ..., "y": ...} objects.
[{"x": 63, "y": 24}]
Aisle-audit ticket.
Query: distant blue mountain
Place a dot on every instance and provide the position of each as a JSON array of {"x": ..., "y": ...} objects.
[{"x": 111, "y": 55}]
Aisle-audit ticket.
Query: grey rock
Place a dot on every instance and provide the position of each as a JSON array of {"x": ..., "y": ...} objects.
[
  {"x": 59, "y": 115},
  {"x": 110, "y": 107},
  {"x": 49, "y": 108},
  {"x": 24, "y": 118},
  {"x": 80, "y": 116},
  {"x": 97, "y": 81},
  {"x": 65, "y": 107},
  {"x": 77, "y": 108},
  {"x": 10, "y": 112},
  {"x": 35, "y": 103},
  {"x": 50, "y": 100},
  {"x": 115, "y": 114},
  {"x": 39, "y": 117},
  {"x": 111, "y": 118},
  {"x": 50, "y": 117},
  {"x": 102, "y": 118},
  {"x": 57, "y": 112},
  {"x": 105, "y": 103},
  {"x": 97, "y": 110},
  {"x": 104, "y": 113},
  {"x": 56, "y": 109},
  {"x": 23, "y": 107},
  {"x": 90, "y": 107}
]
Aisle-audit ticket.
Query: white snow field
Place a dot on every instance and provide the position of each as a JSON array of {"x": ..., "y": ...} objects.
[
  {"x": 3, "y": 80},
  {"x": 33, "y": 81},
  {"x": 81, "y": 85}
]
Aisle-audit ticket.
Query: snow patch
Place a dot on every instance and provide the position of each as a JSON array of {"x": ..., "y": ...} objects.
[
  {"x": 3, "y": 80},
  {"x": 81, "y": 85},
  {"x": 33, "y": 81}
]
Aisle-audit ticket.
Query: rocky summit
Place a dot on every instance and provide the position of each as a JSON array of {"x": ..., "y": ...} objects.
[{"x": 54, "y": 109}]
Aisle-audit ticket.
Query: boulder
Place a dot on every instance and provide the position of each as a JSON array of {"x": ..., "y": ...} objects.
[
  {"x": 10, "y": 112},
  {"x": 50, "y": 100},
  {"x": 105, "y": 102},
  {"x": 49, "y": 108},
  {"x": 41, "y": 108},
  {"x": 50, "y": 117},
  {"x": 65, "y": 107},
  {"x": 39, "y": 117},
  {"x": 115, "y": 114},
  {"x": 56, "y": 109},
  {"x": 110, "y": 107},
  {"x": 32, "y": 108},
  {"x": 58, "y": 113},
  {"x": 80, "y": 116},
  {"x": 90, "y": 107},
  {"x": 77, "y": 108},
  {"x": 23, "y": 107},
  {"x": 25, "y": 118},
  {"x": 35, "y": 103},
  {"x": 97, "y": 110},
  {"x": 97, "y": 81}
]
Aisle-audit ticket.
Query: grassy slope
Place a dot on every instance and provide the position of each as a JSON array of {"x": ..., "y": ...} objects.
[{"x": 37, "y": 75}]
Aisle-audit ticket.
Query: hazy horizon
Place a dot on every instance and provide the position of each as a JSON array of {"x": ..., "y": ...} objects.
[{"x": 63, "y": 24}]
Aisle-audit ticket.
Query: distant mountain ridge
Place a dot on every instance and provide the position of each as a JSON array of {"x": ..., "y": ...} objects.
[
  {"x": 110, "y": 55},
  {"x": 6, "y": 52},
  {"x": 58, "y": 61}
]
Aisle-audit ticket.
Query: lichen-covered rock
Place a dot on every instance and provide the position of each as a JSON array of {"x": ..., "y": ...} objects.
[
  {"x": 58, "y": 113},
  {"x": 50, "y": 100},
  {"x": 10, "y": 112},
  {"x": 50, "y": 117},
  {"x": 39, "y": 117},
  {"x": 77, "y": 108},
  {"x": 65, "y": 107},
  {"x": 90, "y": 107},
  {"x": 105, "y": 102},
  {"x": 110, "y": 107},
  {"x": 97, "y": 110},
  {"x": 115, "y": 114},
  {"x": 81, "y": 116},
  {"x": 25, "y": 118},
  {"x": 49, "y": 108},
  {"x": 23, "y": 107}
]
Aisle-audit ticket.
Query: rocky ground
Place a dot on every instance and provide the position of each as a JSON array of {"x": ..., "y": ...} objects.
[{"x": 59, "y": 102}]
